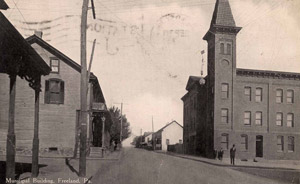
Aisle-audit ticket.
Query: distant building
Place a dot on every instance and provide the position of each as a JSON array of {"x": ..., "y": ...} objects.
[
  {"x": 256, "y": 110},
  {"x": 59, "y": 106},
  {"x": 167, "y": 135}
]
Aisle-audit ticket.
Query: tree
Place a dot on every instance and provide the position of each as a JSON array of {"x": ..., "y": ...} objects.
[{"x": 116, "y": 125}]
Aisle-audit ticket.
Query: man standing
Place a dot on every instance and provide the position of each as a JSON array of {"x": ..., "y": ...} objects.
[{"x": 232, "y": 154}]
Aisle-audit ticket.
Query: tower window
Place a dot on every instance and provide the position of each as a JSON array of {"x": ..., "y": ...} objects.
[
  {"x": 224, "y": 90},
  {"x": 222, "y": 48},
  {"x": 224, "y": 141},
  {"x": 224, "y": 117},
  {"x": 228, "y": 49}
]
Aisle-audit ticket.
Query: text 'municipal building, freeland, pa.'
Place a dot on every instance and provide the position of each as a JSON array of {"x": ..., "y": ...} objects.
[{"x": 257, "y": 110}]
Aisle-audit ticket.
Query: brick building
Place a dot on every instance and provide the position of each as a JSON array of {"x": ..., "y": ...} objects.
[
  {"x": 59, "y": 106},
  {"x": 256, "y": 110}
]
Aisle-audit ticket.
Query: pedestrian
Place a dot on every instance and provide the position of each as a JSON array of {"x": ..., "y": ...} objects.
[
  {"x": 116, "y": 144},
  {"x": 232, "y": 154},
  {"x": 221, "y": 152},
  {"x": 216, "y": 154}
]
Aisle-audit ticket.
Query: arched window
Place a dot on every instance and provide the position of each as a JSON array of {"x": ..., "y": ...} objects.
[
  {"x": 222, "y": 48},
  {"x": 279, "y": 94},
  {"x": 290, "y": 96},
  {"x": 228, "y": 49}
]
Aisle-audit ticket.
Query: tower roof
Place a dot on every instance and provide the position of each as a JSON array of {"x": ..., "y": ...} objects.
[{"x": 222, "y": 14}]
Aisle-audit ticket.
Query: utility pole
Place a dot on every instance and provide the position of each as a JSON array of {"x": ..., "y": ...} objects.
[
  {"x": 121, "y": 133},
  {"x": 152, "y": 125},
  {"x": 83, "y": 90}
]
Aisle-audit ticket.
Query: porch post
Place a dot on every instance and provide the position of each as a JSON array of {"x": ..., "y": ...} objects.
[
  {"x": 11, "y": 137},
  {"x": 35, "y": 143}
]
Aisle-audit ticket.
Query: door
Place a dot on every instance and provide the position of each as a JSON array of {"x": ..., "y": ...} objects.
[{"x": 259, "y": 146}]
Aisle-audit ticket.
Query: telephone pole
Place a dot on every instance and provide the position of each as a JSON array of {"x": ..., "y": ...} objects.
[
  {"x": 121, "y": 133},
  {"x": 83, "y": 88}
]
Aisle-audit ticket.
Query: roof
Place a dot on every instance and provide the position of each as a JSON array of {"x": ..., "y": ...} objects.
[
  {"x": 222, "y": 15},
  {"x": 267, "y": 74},
  {"x": 168, "y": 125},
  {"x": 194, "y": 80},
  {"x": 35, "y": 39},
  {"x": 17, "y": 56},
  {"x": 98, "y": 94},
  {"x": 222, "y": 20},
  {"x": 3, "y": 5},
  {"x": 147, "y": 134}
]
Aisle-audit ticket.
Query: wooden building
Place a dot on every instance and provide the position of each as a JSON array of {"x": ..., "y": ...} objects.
[{"x": 59, "y": 106}]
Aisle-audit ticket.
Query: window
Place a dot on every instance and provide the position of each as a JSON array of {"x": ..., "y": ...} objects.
[
  {"x": 54, "y": 65},
  {"x": 280, "y": 143},
  {"x": 224, "y": 115},
  {"x": 248, "y": 93},
  {"x": 228, "y": 48},
  {"x": 279, "y": 95},
  {"x": 222, "y": 48},
  {"x": 279, "y": 119},
  {"x": 224, "y": 90},
  {"x": 258, "y": 95},
  {"x": 258, "y": 118},
  {"x": 224, "y": 141},
  {"x": 244, "y": 143},
  {"x": 290, "y": 96},
  {"x": 167, "y": 141},
  {"x": 291, "y": 144},
  {"x": 54, "y": 91},
  {"x": 290, "y": 120},
  {"x": 247, "y": 118}
]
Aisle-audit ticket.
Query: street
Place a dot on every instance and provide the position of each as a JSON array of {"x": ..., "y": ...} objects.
[{"x": 141, "y": 166}]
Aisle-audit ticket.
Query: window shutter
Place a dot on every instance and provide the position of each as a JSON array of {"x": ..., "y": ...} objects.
[
  {"x": 47, "y": 92},
  {"x": 62, "y": 92}
]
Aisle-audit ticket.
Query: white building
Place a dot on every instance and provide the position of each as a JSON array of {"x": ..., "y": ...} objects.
[{"x": 170, "y": 134}]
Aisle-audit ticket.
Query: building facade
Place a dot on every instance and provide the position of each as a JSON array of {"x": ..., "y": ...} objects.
[
  {"x": 167, "y": 135},
  {"x": 59, "y": 106},
  {"x": 256, "y": 110}
]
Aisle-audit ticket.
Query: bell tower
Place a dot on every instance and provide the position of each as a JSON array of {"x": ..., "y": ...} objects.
[{"x": 221, "y": 39}]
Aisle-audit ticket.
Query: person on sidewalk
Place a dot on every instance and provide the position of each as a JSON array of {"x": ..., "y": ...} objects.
[
  {"x": 232, "y": 154},
  {"x": 221, "y": 152}
]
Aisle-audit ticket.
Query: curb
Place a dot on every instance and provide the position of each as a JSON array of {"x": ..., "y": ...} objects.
[{"x": 226, "y": 165}]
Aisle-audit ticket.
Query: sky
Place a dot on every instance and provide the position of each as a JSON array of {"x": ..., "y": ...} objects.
[{"x": 146, "y": 50}]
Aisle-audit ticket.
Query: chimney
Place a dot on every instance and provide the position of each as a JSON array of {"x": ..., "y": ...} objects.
[{"x": 38, "y": 33}]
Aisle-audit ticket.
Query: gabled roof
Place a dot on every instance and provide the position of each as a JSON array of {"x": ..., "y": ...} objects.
[
  {"x": 222, "y": 14},
  {"x": 3, "y": 5},
  {"x": 168, "y": 125},
  {"x": 147, "y": 134},
  {"x": 35, "y": 39},
  {"x": 98, "y": 94}
]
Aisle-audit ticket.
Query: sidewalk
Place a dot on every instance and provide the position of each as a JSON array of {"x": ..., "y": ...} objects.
[
  {"x": 261, "y": 163},
  {"x": 60, "y": 170}
]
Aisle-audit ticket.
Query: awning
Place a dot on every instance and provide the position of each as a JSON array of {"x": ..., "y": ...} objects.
[{"x": 17, "y": 56}]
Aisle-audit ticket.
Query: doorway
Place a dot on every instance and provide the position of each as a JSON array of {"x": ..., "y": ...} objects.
[{"x": 259, "y": 146}]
